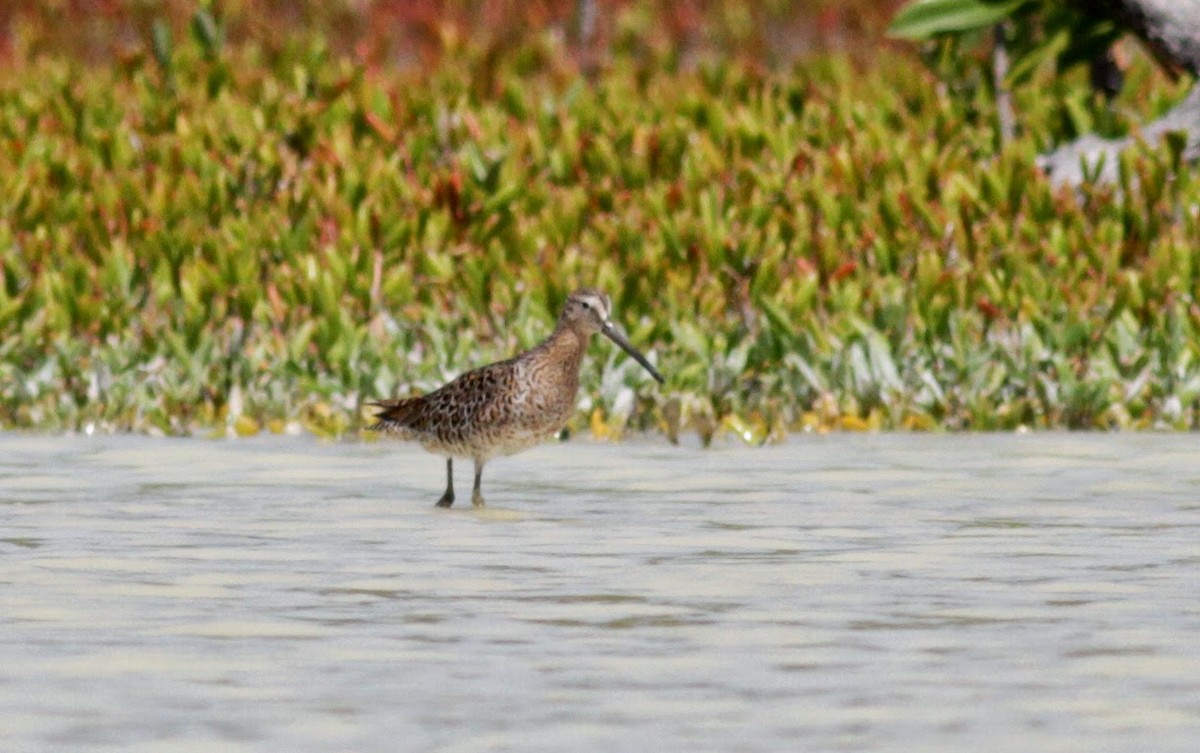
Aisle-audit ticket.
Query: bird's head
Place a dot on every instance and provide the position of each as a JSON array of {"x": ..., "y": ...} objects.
[{"x": 589, "y": 311}]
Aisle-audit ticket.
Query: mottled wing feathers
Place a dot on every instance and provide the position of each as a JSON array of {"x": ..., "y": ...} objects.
[{"x": 450, "y": 411}]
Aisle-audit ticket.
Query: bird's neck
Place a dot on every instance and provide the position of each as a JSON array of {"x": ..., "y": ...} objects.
[{"x": 566, "y": 346}]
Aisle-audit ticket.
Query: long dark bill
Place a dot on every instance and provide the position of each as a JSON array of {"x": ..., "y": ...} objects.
[{"x": 612, "y": 333}]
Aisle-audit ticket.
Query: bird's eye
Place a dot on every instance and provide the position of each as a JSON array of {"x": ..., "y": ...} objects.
[{"x": 585, "y": 304}]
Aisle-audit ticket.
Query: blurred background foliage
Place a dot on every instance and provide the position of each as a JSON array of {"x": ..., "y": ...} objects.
[
  {"x": 408, "y": 33},
  {"x": 259, "y": 216}
]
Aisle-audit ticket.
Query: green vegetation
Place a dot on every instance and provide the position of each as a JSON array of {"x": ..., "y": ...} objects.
[{"x": 210, "y": 237}]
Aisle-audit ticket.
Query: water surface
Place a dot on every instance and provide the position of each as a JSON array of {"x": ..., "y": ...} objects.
[{"x": 856, "y": 593}]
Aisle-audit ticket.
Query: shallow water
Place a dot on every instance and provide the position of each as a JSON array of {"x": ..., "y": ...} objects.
[{"x": 857, "y": 593}]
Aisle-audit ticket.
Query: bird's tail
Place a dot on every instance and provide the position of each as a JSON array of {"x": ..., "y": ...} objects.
[{"x": 394, "y": 415}]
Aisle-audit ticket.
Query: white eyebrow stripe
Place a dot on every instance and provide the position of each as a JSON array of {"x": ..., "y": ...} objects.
[{"x": 600, "y": 304}]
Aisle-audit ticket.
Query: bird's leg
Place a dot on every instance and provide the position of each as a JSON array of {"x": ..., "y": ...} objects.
[
  {"x": 476, "y": 495},
  {"x": 448, "y": 498}
]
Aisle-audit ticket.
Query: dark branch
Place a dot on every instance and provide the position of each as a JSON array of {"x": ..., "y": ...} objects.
[{"x": 1171, "y": 31}]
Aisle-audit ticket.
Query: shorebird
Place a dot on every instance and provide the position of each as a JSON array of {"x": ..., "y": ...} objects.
[{"x": 508, "y": 406}]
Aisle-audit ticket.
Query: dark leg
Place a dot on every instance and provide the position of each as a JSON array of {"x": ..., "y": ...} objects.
[
  {"x": 448, "y": 498},
  {"x": 477, "y": 496}
]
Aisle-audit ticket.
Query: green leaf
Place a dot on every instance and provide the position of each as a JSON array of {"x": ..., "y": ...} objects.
[
  {"x": 781, "y": 324},
  {"x": 1049, "y": 48},
  {"x": 925, "y": 19},
  {"x": 162, "y": 44},
  {"x": 207, "y": 32}
]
